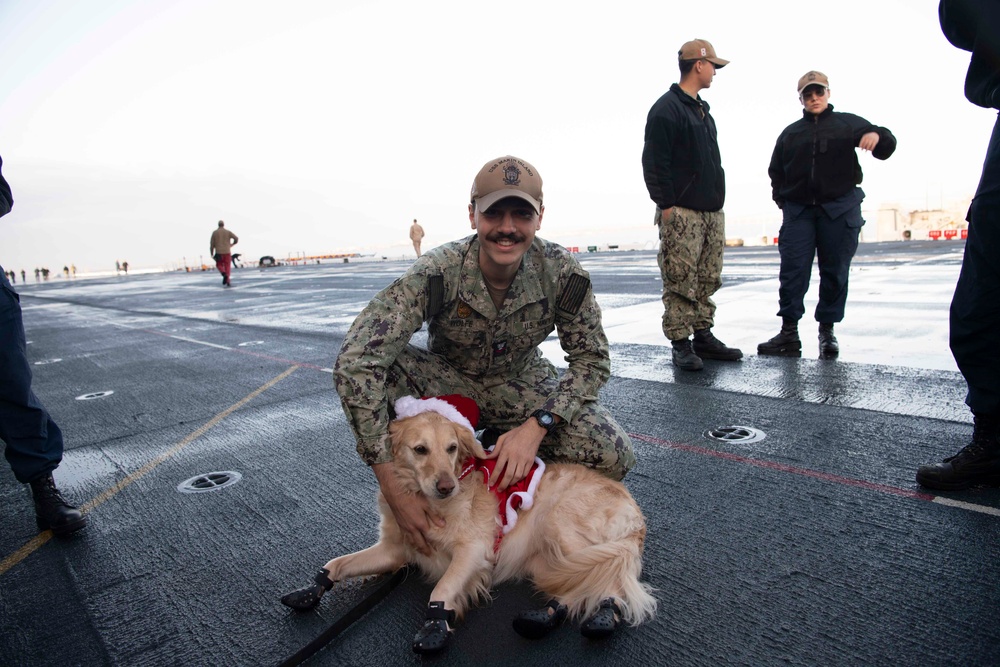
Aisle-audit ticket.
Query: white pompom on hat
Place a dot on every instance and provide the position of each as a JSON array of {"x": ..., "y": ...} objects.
[{"x": 457, "y": 408}]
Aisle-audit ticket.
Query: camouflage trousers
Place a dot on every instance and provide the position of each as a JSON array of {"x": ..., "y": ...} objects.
[
  {"x": 592, "y": 437},
  {"x": 690, "y": 259}
]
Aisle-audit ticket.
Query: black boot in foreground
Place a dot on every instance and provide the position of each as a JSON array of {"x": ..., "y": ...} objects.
[
  {"x": 829, "y": 348},
  {"x": 978, "y": 463},
  {"x": 51, "y": 511},
  {"x": 786, "y": 343}
]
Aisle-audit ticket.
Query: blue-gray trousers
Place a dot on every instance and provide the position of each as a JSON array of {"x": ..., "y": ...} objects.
[{"x": 34, "y": 444}]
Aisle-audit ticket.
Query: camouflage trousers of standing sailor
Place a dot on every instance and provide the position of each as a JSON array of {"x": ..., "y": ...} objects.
[
  {"x": 690, "y": 259},
  {"x": 592, "y": 438}
]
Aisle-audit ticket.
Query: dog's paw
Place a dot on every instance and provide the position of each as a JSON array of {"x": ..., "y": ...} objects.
[
  {"x": 603, "y": 623},
  {"x": 433, "y": 637},
  {"x": 537, "y": 623},
  {"x": 304, "y": 598},
  {"x": 309, "y": 597},
  {"x": 436, "y": 631}
]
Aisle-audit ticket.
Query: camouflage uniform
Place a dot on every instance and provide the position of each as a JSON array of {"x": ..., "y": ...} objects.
[
  {"x": 489, "y": 356},
  {"x": 690, "y": 259}
]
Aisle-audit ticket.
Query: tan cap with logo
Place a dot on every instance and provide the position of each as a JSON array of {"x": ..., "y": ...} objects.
[
  {"x": 507, "y": 176},
  {"x": 697, "y": 49},
  {"x": 813, "y": 78}
]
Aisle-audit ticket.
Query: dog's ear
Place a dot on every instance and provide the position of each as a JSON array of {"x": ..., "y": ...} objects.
[
  {"x": 467, "y": 441},
  {"x": 398, "y": 430}
]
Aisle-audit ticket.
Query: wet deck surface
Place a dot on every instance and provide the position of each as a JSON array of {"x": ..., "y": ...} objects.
[{"x": 810, "y": 546}]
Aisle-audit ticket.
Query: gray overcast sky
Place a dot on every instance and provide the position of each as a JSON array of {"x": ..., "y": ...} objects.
[{"x": 128, "y": 128}]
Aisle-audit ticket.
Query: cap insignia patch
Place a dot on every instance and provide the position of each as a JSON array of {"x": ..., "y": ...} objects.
[{"x": 511, "y": 175}]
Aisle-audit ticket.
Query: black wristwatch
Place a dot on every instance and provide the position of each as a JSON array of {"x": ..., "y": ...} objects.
[{"x": 544, "y": 419}]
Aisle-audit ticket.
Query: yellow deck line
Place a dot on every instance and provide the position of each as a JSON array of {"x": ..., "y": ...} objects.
[{"x": 39, "y": 540}]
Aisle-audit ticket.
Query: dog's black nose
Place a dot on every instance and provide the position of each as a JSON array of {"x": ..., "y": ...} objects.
[{"x": 445, "y": 486}]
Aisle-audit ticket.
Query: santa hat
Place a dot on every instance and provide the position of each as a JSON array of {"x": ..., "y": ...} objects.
[{"x": 454, "y": 407}]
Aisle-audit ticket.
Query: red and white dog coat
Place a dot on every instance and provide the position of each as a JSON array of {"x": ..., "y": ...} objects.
[
  {"x": 514, "y": 497},
  {"x": 464, "y": 411}
]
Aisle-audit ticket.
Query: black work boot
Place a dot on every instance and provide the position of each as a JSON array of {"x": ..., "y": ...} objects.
[
  {"x": 828, "y": 345},
  {"x": 707, "y": 346},
  {"x": 684, "y": 357},
  {"x": 976, "y": 463},
  {"x": 786, "y": 343},
  {"x": 51, "y": 511}
]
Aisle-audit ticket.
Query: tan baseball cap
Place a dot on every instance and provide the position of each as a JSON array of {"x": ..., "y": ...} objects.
[
  {"x": 813, "y": 78},
  {"x": 507, "y": 176},
  {"x": 697, "y": 49}
]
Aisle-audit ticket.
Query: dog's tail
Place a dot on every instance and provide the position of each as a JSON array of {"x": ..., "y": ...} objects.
[{"x": 581, "y": 580}]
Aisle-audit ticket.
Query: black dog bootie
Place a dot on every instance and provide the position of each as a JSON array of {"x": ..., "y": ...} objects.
[
  {"x": 536, "y": 623},
  {"x": 436, "y": 632},
  {"x": 603, "y": 623},
  {"x": 308, "y": 597}
]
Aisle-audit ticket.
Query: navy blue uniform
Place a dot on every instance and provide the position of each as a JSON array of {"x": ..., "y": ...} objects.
[
  {"x": 972, "y": 25},
  {"x": 34, "y": 444}
]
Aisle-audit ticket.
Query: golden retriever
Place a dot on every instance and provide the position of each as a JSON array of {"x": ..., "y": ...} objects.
[{"x": 580, "y": 543}]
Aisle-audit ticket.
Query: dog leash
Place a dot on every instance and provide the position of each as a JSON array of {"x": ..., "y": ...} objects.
[{"x": 347, "y": 619}]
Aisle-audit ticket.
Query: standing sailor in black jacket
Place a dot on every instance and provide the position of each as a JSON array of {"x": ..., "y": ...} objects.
[
  {"x": 683, "y": 171},
  {"x": 815, "y": 176}
]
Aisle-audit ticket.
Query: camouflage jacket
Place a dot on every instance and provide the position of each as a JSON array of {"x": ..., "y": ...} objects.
[{"x": 550, "y": 291}]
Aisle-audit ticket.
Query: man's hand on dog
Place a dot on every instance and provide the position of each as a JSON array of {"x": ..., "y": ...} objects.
[
  {"x": 515, "y": 452},
  {"x": 413, "y": 512}
]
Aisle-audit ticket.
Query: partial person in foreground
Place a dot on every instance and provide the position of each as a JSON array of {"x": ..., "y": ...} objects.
[
  {"x": 682, "y": 167},
  {"x": 815, "y": 176},
  {"x": 974, "y": 25},
  {"x": 221, "y": 249},
  {"x": 34, "y": 443}
]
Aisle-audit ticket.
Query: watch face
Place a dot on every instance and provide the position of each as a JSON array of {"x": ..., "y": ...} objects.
[{"x": 544, "y": 418}]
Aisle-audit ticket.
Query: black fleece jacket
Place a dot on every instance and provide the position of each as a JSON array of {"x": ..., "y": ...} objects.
[
  {"x": 814, "y": 160},
  {"x": 680, "y": 158}
]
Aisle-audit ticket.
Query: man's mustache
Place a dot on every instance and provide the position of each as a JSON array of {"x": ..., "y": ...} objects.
[{"x": 513, "y": 238}]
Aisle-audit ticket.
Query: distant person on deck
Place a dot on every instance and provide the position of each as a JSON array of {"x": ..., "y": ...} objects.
[
  {"x": 416, "y": 235},
  {"x": 221, "y": 249}
]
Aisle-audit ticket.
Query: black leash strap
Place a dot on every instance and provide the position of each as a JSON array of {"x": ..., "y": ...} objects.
[{"x": 346, "y": 620}]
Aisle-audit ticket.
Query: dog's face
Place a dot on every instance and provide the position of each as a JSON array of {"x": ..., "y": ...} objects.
[{"x": 428, "y": 451}]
